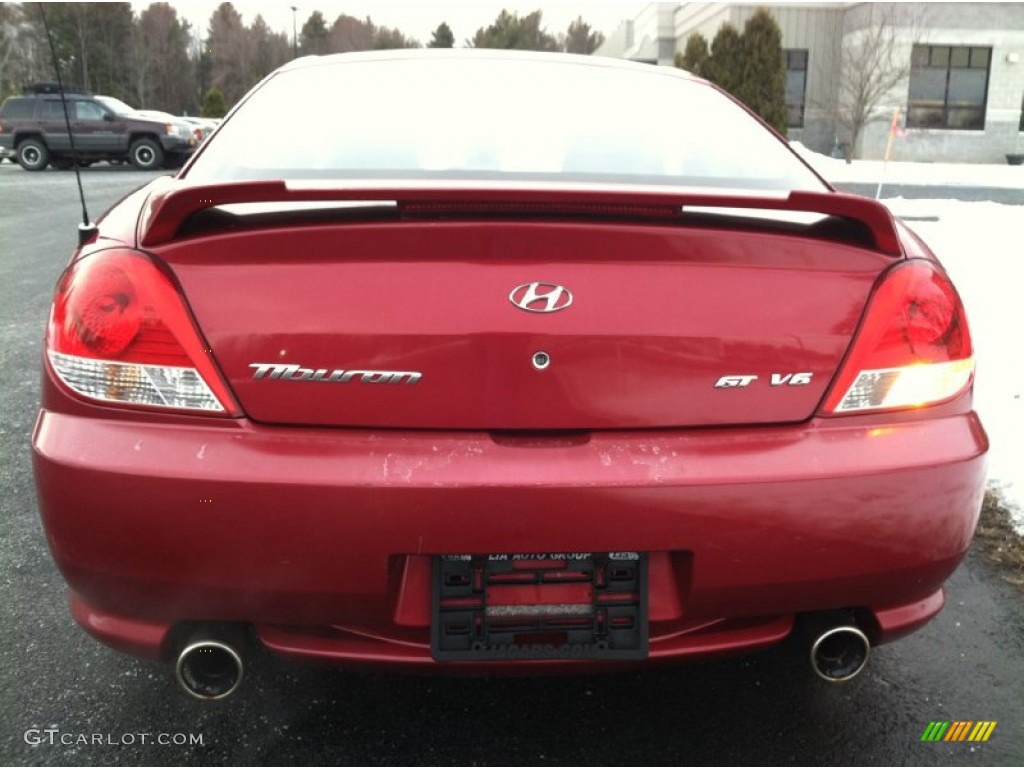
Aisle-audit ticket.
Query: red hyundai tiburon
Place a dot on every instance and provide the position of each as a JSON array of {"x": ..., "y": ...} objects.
[{"x": 494, "y": 360}]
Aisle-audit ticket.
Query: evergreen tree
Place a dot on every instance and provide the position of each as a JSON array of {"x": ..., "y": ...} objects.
[
  {"x": 386, "y": 37},
  {"x": 763, "y": 76},
  {"x": 511, "y": 31},
  {"x": 580, "y": 38},
  {"x": 695, "y": 55},
  {"x": 313, "y": 39},
  {"x": 724, "y": 66},
  {"x": 443, "y": 37},
  {"x": 213, "y": 104}
]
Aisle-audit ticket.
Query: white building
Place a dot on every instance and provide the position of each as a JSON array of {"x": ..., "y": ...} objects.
[{"x": 960, "y": 96}]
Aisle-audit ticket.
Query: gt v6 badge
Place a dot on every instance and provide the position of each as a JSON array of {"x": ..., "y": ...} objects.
[
  {"x": 777, "y": 380},
  {"x": 289, "y": 372}
]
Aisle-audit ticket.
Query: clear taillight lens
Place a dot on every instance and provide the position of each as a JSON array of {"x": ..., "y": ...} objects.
[
  {"x": 913, "y": 347},
  {"x": 120, "y": 333}
]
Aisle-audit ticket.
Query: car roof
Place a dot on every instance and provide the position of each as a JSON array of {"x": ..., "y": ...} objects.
[
  {"x": 49, "y": 97},
  {"x": 484, "y": 54},
  {"x": 50, "y": 89}
]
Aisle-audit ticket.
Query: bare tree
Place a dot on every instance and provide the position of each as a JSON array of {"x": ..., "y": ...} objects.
[
  {"x": 22, "y": 50},
  {"x": 231, "y": 54},
  {"x": 875, "y": 59},
  {"x": 163, "y": 78},
  {"x": 270, "y": 49},
  {"x": 350, "y": 34},
  {"x": 138, "y": 69}
]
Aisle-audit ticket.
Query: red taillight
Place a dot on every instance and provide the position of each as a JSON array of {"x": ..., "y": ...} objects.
[
  {"x": 197, "y": 134},
  {"x": 121, "y": 333},
  {"x": 913, "y": 347}
]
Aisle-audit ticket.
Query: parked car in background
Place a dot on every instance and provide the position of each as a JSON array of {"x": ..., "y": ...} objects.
[
  {"x": 34, "y": 127},
  {"x": 173, "y": 126},
  {"x": 178, "y": 122},
  {"x": 202, "y": 127},
  {"x": 518, "y": 384}
]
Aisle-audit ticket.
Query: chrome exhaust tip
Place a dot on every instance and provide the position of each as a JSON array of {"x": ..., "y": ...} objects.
[
  {"x": 209, "y": 669},
  {"x": 840, "y": 654}
]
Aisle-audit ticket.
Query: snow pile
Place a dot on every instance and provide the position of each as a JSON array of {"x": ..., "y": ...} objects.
[
  {"x": 979, "y": 244},
  {"x": 925, "y": 174}
]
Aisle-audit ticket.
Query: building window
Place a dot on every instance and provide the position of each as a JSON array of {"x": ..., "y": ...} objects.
[
  {"x": 796, "y": 86},
  {"x": 948, "y": 87}
]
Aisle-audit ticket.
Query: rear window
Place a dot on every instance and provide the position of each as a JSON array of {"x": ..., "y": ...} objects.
[
  {"x": 14, "y": 108},
  {"x": 54, "y": 110},
  {"x": 497, "y": 119}
]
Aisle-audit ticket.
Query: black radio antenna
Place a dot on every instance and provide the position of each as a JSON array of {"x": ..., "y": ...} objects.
[{"x": 87, "y": 228}]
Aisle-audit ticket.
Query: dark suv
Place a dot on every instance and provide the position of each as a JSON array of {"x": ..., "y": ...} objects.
[{"x": 33, "y": 126}]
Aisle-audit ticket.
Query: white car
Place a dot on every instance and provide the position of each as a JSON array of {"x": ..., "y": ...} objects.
[{"x": 201, "y": 126}]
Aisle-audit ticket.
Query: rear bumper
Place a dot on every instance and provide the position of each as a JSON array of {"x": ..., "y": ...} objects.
[{"x": 321, "y": 538}]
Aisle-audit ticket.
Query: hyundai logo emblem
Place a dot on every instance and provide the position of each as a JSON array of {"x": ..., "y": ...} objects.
[{"x": 540, "y": 297}]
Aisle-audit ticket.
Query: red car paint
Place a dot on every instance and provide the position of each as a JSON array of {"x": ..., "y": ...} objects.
[{"x": 314, "y": 512}]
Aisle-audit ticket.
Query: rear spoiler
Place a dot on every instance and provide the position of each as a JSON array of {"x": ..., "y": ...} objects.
[{"x": 173, "y": 201}]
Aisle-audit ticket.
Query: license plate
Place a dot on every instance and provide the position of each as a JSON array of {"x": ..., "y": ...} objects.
[{"x": 536, "y": 606}]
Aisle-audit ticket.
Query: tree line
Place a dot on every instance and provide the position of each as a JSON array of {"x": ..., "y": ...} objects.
[{"x": 155, "y": 59}]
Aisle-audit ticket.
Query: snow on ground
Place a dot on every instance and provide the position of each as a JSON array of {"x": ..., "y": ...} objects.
[
  {"x": 927, "y": 174},
  {"x": 981, "y": 244}
]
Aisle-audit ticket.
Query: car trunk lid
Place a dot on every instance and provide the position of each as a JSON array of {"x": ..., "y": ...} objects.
[{"x": 467, "y": 317}]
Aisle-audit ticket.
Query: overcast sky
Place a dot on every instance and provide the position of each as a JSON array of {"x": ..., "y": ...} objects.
[{"x": 416, "y": 19}]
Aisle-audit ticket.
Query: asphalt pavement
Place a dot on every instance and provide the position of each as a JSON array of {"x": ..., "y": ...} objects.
[{"x": 66, "y": 700}]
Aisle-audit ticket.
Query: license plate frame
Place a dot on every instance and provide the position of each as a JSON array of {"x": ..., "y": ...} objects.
[{"x": 539, "y": 606}]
